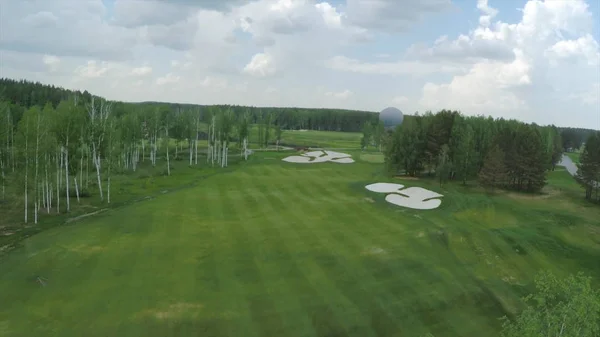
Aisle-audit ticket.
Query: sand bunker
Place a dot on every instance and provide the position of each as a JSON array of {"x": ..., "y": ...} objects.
[
  {"x": 384, "y": 187},
  {"x": 320, "y": 157},
  {"x": 412, "y": 197}
]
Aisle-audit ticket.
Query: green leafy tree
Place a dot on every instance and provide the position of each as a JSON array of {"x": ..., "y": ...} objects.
[
  {"x": 567, "y": 307},
  {"x": 588, "y": 174},
  {"x": 462, "y": 149},
  {"x": 493, "y": 173},
  {"x": 367, "y": 132},
  {"x": 443, "y": 165},
  {"x": 406, "y": 148}
]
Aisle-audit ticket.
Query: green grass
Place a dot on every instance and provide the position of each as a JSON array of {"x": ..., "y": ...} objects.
[
  {"x": 268, "y": 248},
  {"x": 377, "y": 158},
  {"x": 311, "y": 138},
  {"x": 574, "y": 156}
]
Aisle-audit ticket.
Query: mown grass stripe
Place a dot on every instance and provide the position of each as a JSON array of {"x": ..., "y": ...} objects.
[{"x": 317, "y": 275}]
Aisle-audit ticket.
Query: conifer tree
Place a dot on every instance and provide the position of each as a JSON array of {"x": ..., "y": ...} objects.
[
  {"x": 588, "y": 174},
  {"x": 493, "y": 173}
]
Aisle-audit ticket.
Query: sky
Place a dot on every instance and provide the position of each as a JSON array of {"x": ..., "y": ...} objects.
[{"x": 536, "y": 61}]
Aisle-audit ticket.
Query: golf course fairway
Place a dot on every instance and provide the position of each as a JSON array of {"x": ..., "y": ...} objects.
[{"x": 281, "y": 249}]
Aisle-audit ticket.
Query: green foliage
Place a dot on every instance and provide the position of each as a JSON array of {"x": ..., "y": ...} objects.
[
  {"x": 367, "y": 132},
  {"x": 573, "y": 138},
  {"x": 26, "y": 94},
  {"x": 568, "y": 307},
  {"x": 493, "y": 174},
  {"x": 443, "y": 165},
  {"x": 407, "y": 148},
  {"x": 462, "y": 150},
  {"x": 418, "y": 143},
  {"x": 588, "y": 174}
]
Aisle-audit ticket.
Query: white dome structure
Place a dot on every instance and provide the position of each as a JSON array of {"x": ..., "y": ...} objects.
[{"x": 391, "y": 117}]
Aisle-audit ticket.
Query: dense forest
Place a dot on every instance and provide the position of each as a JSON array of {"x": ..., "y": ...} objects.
[
  {"x": 500, "y": 153},
  {"x": 24, "y": 94}
]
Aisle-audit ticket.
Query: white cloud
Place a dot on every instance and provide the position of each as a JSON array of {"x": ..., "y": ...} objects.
[
  {"x": 589, "y": 96},
  {"x": 403, "y": 67},
  {"x": 330, "y": 14},
  {"x": 261, "y": 65},
  {"x": 341, "y": 95},
  {"x": 585, "y": 47},
  {"x": 399, "y": 99},
  {"x": 63, "y": 28},
  {"x": 534, "y": 73},
  {"x": 141, "y": 71},
  {"x": 168, "y": 79},
  {"x": 52, "y": 62},
  {"x": 93, "y": 69},
  {"x": 273, "y": 52}
]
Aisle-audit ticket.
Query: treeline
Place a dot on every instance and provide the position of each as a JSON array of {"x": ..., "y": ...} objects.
[
  {"x": 25, "y": 94},
  {"x": 588, "y": 174},
  {"x": 574, "y": 138},
  {"x": 500, "y": 153}
]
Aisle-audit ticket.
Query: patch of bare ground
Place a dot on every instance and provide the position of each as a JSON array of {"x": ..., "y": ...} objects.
[
  {"x": 369, "y": 200},
  {"x": 174, "y": 311},
  {"x": 85, "y": 215}
]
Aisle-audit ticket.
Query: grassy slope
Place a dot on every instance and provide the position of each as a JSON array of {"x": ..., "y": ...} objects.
[
  {"x": 574, "y": 156},
  {"x": 276, "y": 249}
]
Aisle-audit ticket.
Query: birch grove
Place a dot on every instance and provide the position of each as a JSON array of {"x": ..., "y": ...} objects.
[{"x": 76, "y": 148}]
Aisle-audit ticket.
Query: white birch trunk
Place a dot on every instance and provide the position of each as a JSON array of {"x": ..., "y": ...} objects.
[
  {"x": 108, "y": 191},
  {"x": 168, "y": 161},
  {"x": 76, "y": 188},
  {"x": 81, "y": 167},
  {"x": 67, "y": 176},
  {"x": 48, "y": 192},
  {"x": 191, "y": 152},
  {"x": 35, "y": 180},
  {"x": 96, "y": 158},
  {"x": 87, "y": 167},
  {"x": 26, "y": 170},
  {"x": 196, "y": 149},
  {"x": 57, "y": 184},
  {"x": 12, "y": 147}
]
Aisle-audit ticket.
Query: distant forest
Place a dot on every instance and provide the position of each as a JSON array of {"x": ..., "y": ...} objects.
[{"x": 24, "y": 94}]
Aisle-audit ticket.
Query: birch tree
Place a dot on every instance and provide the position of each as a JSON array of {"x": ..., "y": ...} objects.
[
  {"x": 166, "y": 124},
  {"x": 66, "y": 125},
  {"x": 243, "y": 129},
  {"x": 29, "y": 134},
  {"x": 98, "y": 112}
]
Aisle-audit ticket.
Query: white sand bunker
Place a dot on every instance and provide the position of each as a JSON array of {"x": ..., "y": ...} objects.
[
  {"x": 412, "y": 197},
  {"x": 320, "y": 157}
]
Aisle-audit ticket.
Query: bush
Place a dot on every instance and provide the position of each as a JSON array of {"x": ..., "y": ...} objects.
[{"x": 560, "y": 307}]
